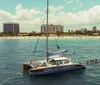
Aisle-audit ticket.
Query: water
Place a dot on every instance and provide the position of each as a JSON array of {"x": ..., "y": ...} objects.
[{"x": 13, "y": 53}]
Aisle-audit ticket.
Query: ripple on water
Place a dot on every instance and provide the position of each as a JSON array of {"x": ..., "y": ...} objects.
[{"x": 13, "y": 53}]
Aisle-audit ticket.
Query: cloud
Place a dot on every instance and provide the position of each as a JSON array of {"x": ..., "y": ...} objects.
[
  {"x": 91, "y": 1},
  {"x": 72, "y": 1},
  {"x": 25, "y": 17},
  {"x": 81, "y": 18},
  {"x": 5, "y": 15},
  {"x": 80, "y": 4},
  {"x": 29, "y": 19},
  {"x": 54, "y": 9},
  {"x": 26, "y": 14},
  {"x": 69, "y": 1},
  {"x": 32, "y": 19},
  {"x": 74, "y": 9},
  {"x": 77, "y": 1},
  {"x": 21, "y": 14}
]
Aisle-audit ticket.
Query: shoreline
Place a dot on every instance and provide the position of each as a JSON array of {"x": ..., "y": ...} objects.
[{"x": 50, "y": 37}]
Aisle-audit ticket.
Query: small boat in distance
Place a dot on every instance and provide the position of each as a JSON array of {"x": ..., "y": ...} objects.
[
  {"x": 52, "y": 64},
  {"x": 93, "y": 61}
]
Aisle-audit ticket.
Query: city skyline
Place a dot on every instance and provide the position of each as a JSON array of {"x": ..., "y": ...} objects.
[{"x": 73, "y": 14}]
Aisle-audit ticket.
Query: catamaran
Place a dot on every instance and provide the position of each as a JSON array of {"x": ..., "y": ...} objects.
[{"x": 54, "y": 62}]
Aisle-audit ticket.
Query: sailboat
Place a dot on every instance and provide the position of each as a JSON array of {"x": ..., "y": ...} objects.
[{"x": 52, "y": 64}]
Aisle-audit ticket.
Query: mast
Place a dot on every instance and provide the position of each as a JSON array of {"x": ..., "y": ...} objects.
[{"x": 47, "y": 31}]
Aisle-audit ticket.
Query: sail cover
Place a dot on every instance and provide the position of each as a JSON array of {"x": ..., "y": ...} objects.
[{"x": 55, "y": 53}]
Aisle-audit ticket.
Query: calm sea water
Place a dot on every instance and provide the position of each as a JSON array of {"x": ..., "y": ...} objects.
[{"x": 13, "y": 53}]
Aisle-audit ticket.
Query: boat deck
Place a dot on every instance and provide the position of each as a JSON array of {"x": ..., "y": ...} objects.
[{"x": 50, "y": 66}]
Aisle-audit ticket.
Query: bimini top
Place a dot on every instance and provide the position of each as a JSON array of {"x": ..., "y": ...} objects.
[{"x": 57, "y": 58}]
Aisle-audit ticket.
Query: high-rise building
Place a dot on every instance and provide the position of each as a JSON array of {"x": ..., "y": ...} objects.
[
  {"x": 52, "y": 28},
  {"x": 11, "y": 28},
  {"x": 69, "y": 30},
  {"x": 84, "y": 30},
  {"x": 94, "y": 29}
]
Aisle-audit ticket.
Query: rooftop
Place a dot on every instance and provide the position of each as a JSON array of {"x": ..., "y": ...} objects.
[{"x": 57, "y": 57}]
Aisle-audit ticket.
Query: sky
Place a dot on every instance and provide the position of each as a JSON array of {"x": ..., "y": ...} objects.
[{"x": 31, "y": 14}]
